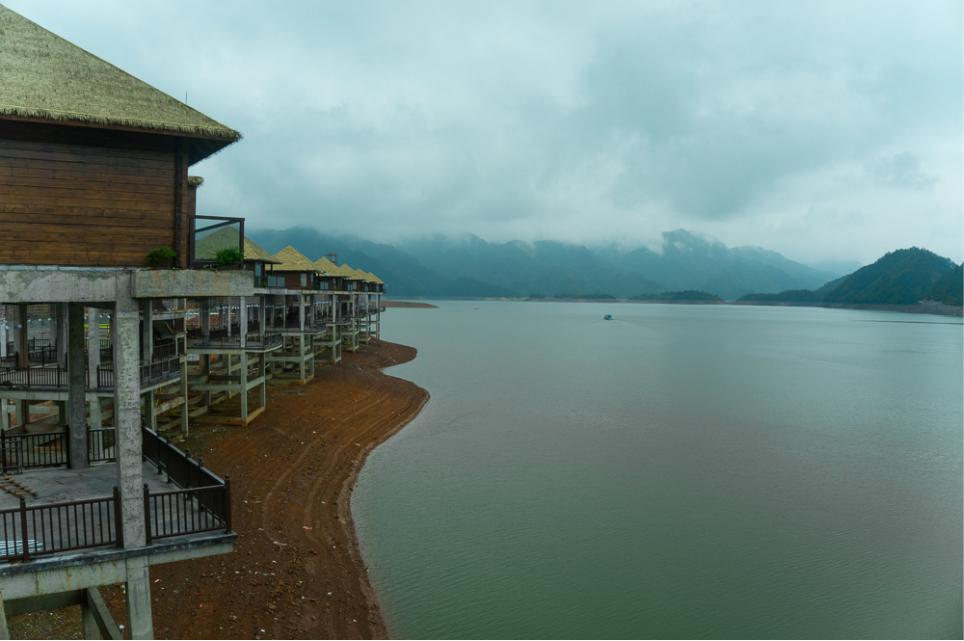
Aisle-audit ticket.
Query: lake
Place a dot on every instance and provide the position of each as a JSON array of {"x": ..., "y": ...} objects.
[{"x": 680, "y": 471}]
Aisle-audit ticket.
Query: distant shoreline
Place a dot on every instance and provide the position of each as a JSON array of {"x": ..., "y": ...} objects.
[
  {"x": 936, "y": 309},
  {"x": 407, "y": 304}
]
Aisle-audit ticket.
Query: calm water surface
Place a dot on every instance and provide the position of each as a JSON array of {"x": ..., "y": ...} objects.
[{"x": 682, "y": 471}]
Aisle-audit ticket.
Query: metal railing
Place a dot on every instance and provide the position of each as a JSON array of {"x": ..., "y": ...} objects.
[
  {"x": 59, "y": 527},
  {"x": 20, "y": 452},
  {"x": 57, "y": 377},
  {"x": 188, "y": 511},
  {"x": 253, "y": 343},
  {"x": 212, "y": 495},
  {"x": 202, "y": 504},
  {"x": 101, "y": 444}
]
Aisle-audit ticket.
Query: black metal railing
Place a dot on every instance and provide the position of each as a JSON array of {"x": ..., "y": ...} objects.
[
  {"x": 101, "y": 444},
  {"x": 59, "y": 527},
  {"x": 20, "y": 452},
  {"x": 253, "y": 343},
  {"x": 213, "y": 494},
  {"x": 187, "y": 511}
]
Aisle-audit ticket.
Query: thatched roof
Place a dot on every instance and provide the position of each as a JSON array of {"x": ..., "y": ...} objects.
[
  {"x": 346, "y": 272},
  {"x": 363, "y": 276},
  {"x": 372, "y": 278},
  {"x": 325, "y": 265},
  {"x": 44, "y": 77},
  {"x": 292, "y": 260},
  {"x": 207, "y": 247}
]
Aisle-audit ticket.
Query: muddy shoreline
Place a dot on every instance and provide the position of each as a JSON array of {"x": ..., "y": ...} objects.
[{"x": 296, "y": 571}]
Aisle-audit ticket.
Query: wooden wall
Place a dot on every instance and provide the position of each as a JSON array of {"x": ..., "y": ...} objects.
[{"x": 87, "y": 197}]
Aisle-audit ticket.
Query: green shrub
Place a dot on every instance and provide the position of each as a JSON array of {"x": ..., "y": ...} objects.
[
  {"x": 228, "y": 256},
  {"x": 160, "y": 257}
]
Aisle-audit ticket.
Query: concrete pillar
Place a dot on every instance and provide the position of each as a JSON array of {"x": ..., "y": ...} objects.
[
  {"x": 147, "y": 339},
  {"x": 23, "y": 413},
  {"x": 4, "y": 414},
  {"x": 139, "y": 618},
  {"x": 184, "y": 392},
  {"x": 61, "y": 413},
  {"x": 20, "y": 336},
  {"x": 262, "y": 373},
  {"x": 76, "y": 387},
  {"x": 150, "y": 419},
  {"x": 96, "y": 413},
  {"x": 4, "y": 630},
  {"x": 127, "y": 421},
  {"x": 244, "y": 385},
  {"x": 301, "y": 312},
  {"x": 243, "y": 322},
  {"x": 301, "y": 354},
  {"x": 88, "y": 622},
  {"x": 3, "y": 330},
  {"x": 206, "y": 371},
  {"x": 93, "y": 342},
  {"x": 206, "y": 318}
]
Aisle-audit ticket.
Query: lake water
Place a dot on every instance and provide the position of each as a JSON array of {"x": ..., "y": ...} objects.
[{"x": 681, "y": 471}]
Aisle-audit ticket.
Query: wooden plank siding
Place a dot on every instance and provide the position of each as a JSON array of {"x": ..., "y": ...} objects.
[{"x": 89, "y": 198}]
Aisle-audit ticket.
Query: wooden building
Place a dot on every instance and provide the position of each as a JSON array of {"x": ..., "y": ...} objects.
[{"x": 94, "y": 162}]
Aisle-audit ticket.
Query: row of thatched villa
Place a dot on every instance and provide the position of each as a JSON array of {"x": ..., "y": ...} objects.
[{"x": 101, "y": 356}]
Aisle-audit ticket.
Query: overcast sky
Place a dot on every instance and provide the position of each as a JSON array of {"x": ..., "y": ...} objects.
[{"x": 819, "y": 130}]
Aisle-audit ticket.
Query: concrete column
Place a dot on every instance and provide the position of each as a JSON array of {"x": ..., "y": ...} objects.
[
  {"x": 206, "y": 318},
  {"x": 184, "y": 392},
  {"x": 88, "y": 621},
  {"x": 150, "y": 419},
  {"x": 301, "y": 353},
  {"x": 4, "y": 630},
  {"x": 96, "y": 416},
  {"x": 301, "y": 311},
  {"x": 4, "y": 414},
  {"x": 262, "y": 373},
  {"x": 76, "y": 387},
  {"x": 3, "y": 330},
  {"x": 20, "y": 336},
  {"x": 225, "y": 317},
  {"x": 147, "y": 327},
  {"x": 127, "y": 422},
  {"x": 206, "y": 370},
  {"x": 23, "y": 413},
  {"x": 93, "y": 342},
  {"x": 138, "y": 590},
  {"x": 243, "y": 322},
  {"x": 61, "y": 413},
  {"x": 244, "y": 385}
]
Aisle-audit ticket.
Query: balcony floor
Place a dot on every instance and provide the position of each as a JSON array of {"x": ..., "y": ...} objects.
[{"x": 60, "y": 484}]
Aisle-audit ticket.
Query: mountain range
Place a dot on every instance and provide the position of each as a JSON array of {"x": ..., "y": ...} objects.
[
  {"x": 469, "y": 266},
  {"x": 901, "y": 277}
]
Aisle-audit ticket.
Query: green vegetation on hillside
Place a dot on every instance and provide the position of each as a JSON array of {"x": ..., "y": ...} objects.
[
  {"x": 789, "y": 296},
  {"x": 949, "y": 289},
  {"x": 596, "y": 296},
  {"x": 689, "y": 294},
  {"x": 901, "y": 277}
]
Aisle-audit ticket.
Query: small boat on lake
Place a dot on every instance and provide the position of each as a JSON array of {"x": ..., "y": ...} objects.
[{"x": 608, "y": 317}]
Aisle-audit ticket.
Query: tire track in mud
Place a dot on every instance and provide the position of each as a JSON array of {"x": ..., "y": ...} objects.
[{"x": 296, "y": 571}]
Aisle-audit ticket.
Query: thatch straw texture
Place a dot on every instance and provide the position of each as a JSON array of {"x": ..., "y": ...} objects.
[
  {"x": 372, "y": 278},
  {"x": 44, "y": 76},
  {"x": 292, "y": 260},
  {"x": 325, "y": 265},
  {"x": 207, "y": 247}
]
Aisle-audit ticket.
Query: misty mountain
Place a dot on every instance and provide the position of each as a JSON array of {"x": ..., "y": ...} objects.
[
  {"x": 472, "y": 267},
  {"x": 902, "y": 277},
  {"x": 543, "y": 267},
  {"x": 688, "y": 261}
]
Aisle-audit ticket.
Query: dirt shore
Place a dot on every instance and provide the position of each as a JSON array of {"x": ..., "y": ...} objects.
[{"x": 296, "y": 572}]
